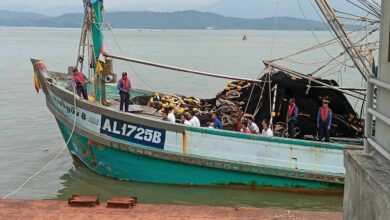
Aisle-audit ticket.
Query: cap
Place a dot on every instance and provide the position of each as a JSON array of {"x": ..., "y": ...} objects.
[
  {"x": 325, "y": 101},
  {"x": 292, "y": 100}
]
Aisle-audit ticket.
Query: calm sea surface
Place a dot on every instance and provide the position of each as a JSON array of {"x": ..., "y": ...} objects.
[{"x": 29, "y": 136}]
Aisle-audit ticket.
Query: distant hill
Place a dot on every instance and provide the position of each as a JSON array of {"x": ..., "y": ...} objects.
[
  {"x": 159, "y": 20},
  {"x": 269, "y": 8},
  {"x": 8, "y": 18}
]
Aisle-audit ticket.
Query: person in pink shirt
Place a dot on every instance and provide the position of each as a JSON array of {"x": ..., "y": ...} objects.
[
  {"x": 244, "y": 128},
  {"x": 80, "y": 79}
]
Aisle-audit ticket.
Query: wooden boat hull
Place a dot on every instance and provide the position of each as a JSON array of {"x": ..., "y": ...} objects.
[
  {"x": 136, "y": 148},
  {"x": 118, "y": 164}
]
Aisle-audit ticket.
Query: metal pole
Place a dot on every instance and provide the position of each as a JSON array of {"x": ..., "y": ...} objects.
[
  {"x": 273, "y": 104},
  {"x": 179, "y": 69},
  {"x": 344, "y": 39},
  {"x": 368, "y": 120}
]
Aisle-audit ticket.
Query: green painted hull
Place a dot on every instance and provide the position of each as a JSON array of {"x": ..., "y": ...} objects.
[{"x": 123, "y": 165}]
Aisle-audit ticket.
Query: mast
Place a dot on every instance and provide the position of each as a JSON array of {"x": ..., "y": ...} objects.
[
  {"x": 92, "y": 30},
  {"x": 343, "y": 37}
]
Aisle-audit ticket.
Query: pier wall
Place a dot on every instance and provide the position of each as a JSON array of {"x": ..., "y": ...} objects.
[
  {"x": 367, "y": 184},
  {"x": 367, "y": 187}
]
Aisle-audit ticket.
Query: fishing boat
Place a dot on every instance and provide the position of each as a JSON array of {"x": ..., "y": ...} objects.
[{"x": 139, "y": 146}]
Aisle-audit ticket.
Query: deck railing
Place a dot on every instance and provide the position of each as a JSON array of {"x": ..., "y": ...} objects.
[{"x": 371, "y": 112}]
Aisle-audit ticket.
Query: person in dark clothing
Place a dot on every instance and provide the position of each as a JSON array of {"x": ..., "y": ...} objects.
[
  {"x": 124, "y": 87},
  {"x": 324, "y": 121},
  {"x": 292, "y": 116},
  {"x": 80, "y": 79}
]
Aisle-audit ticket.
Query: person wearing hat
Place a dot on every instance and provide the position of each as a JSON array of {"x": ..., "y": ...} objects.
[
  {"x": 324, "y": 121},
  {"x": 124, "y": 87},
  {"x": 292, "y": 116},
  {"x": 80, "y": 79}
]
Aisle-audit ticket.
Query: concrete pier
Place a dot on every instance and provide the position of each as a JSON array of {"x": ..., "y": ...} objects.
[
  {"x": 49, "y": 209},
  {"x": 367, "y": 187},
  {"x": 367, "y": 183}
]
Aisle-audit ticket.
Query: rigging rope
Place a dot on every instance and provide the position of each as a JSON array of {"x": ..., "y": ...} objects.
[
  {"x": 130, "y": 66},
  {"x": 274, "y": 28},
  {"x": 312, "y": 31},
  {"x": 55, "y": 157}
]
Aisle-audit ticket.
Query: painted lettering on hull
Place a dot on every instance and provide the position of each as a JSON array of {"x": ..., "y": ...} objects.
[{"x": 139, "y": 134}]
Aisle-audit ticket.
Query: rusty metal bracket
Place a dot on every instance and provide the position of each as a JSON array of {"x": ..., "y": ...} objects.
[
  {"x": 123, "y": 202},
  {"x": 89, "y": 201}
]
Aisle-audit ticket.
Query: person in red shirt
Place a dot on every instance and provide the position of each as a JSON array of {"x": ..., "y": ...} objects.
[
  {"x": 292, "y": 116},
  {"x": 124, "y": 87},
  {"x": 244, "y": 128},
  {"x": 80, "y": 79}
]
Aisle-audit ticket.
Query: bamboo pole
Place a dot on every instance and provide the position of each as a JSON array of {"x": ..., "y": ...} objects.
[{"x": 179, "y": 69}]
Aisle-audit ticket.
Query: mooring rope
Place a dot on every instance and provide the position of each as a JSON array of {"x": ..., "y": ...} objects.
[{"x": 55, "y": 157}]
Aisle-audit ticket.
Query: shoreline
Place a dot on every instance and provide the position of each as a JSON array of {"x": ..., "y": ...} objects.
[{"x": 50, "y": 209}]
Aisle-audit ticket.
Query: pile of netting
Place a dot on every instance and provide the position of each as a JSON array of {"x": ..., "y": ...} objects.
[{"x": 268, "y": 100}]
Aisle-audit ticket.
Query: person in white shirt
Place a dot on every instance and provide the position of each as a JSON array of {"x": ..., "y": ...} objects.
[
  {"x": 193, "y": 119},
  {"x": 171, "y": 116},
  {"x": 267, "y": 131},
  {"x": 253, "y": 126},
  {"x": 184, "y": 120},
  {"x": 164, "y": 116}
]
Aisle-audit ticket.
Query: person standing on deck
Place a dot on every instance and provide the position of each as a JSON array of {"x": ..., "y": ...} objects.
[
  {"x": 124, "y": 87},
  {"x": 80, "y": 80},
  {"x": 292, "y": 116},
  {"x": 217, "y": 123},
  {"x": 324, "y": 121}
]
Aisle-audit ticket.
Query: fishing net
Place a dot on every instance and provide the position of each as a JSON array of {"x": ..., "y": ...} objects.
[{"x": 241, "y": 98}]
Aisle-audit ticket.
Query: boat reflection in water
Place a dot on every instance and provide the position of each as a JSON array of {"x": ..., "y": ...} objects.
[{"x": 81, "y": 180}]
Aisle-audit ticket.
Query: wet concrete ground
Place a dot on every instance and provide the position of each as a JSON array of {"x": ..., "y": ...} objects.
[{"x": 49, "y": 209}]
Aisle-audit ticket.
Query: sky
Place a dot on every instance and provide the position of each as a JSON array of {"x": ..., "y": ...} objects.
[{"x": 154, "y": 5}]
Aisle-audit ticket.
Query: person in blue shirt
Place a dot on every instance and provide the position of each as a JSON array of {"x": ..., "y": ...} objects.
[
  {"x": 324, "y": 121},
  {"x": 217, "y": 123},
  {"x": 292, "y": 116}
]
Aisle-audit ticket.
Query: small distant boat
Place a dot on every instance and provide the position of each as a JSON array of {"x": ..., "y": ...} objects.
[
  {"x": 244, "y": 38},
  {"x": 213, "y": 27}
]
